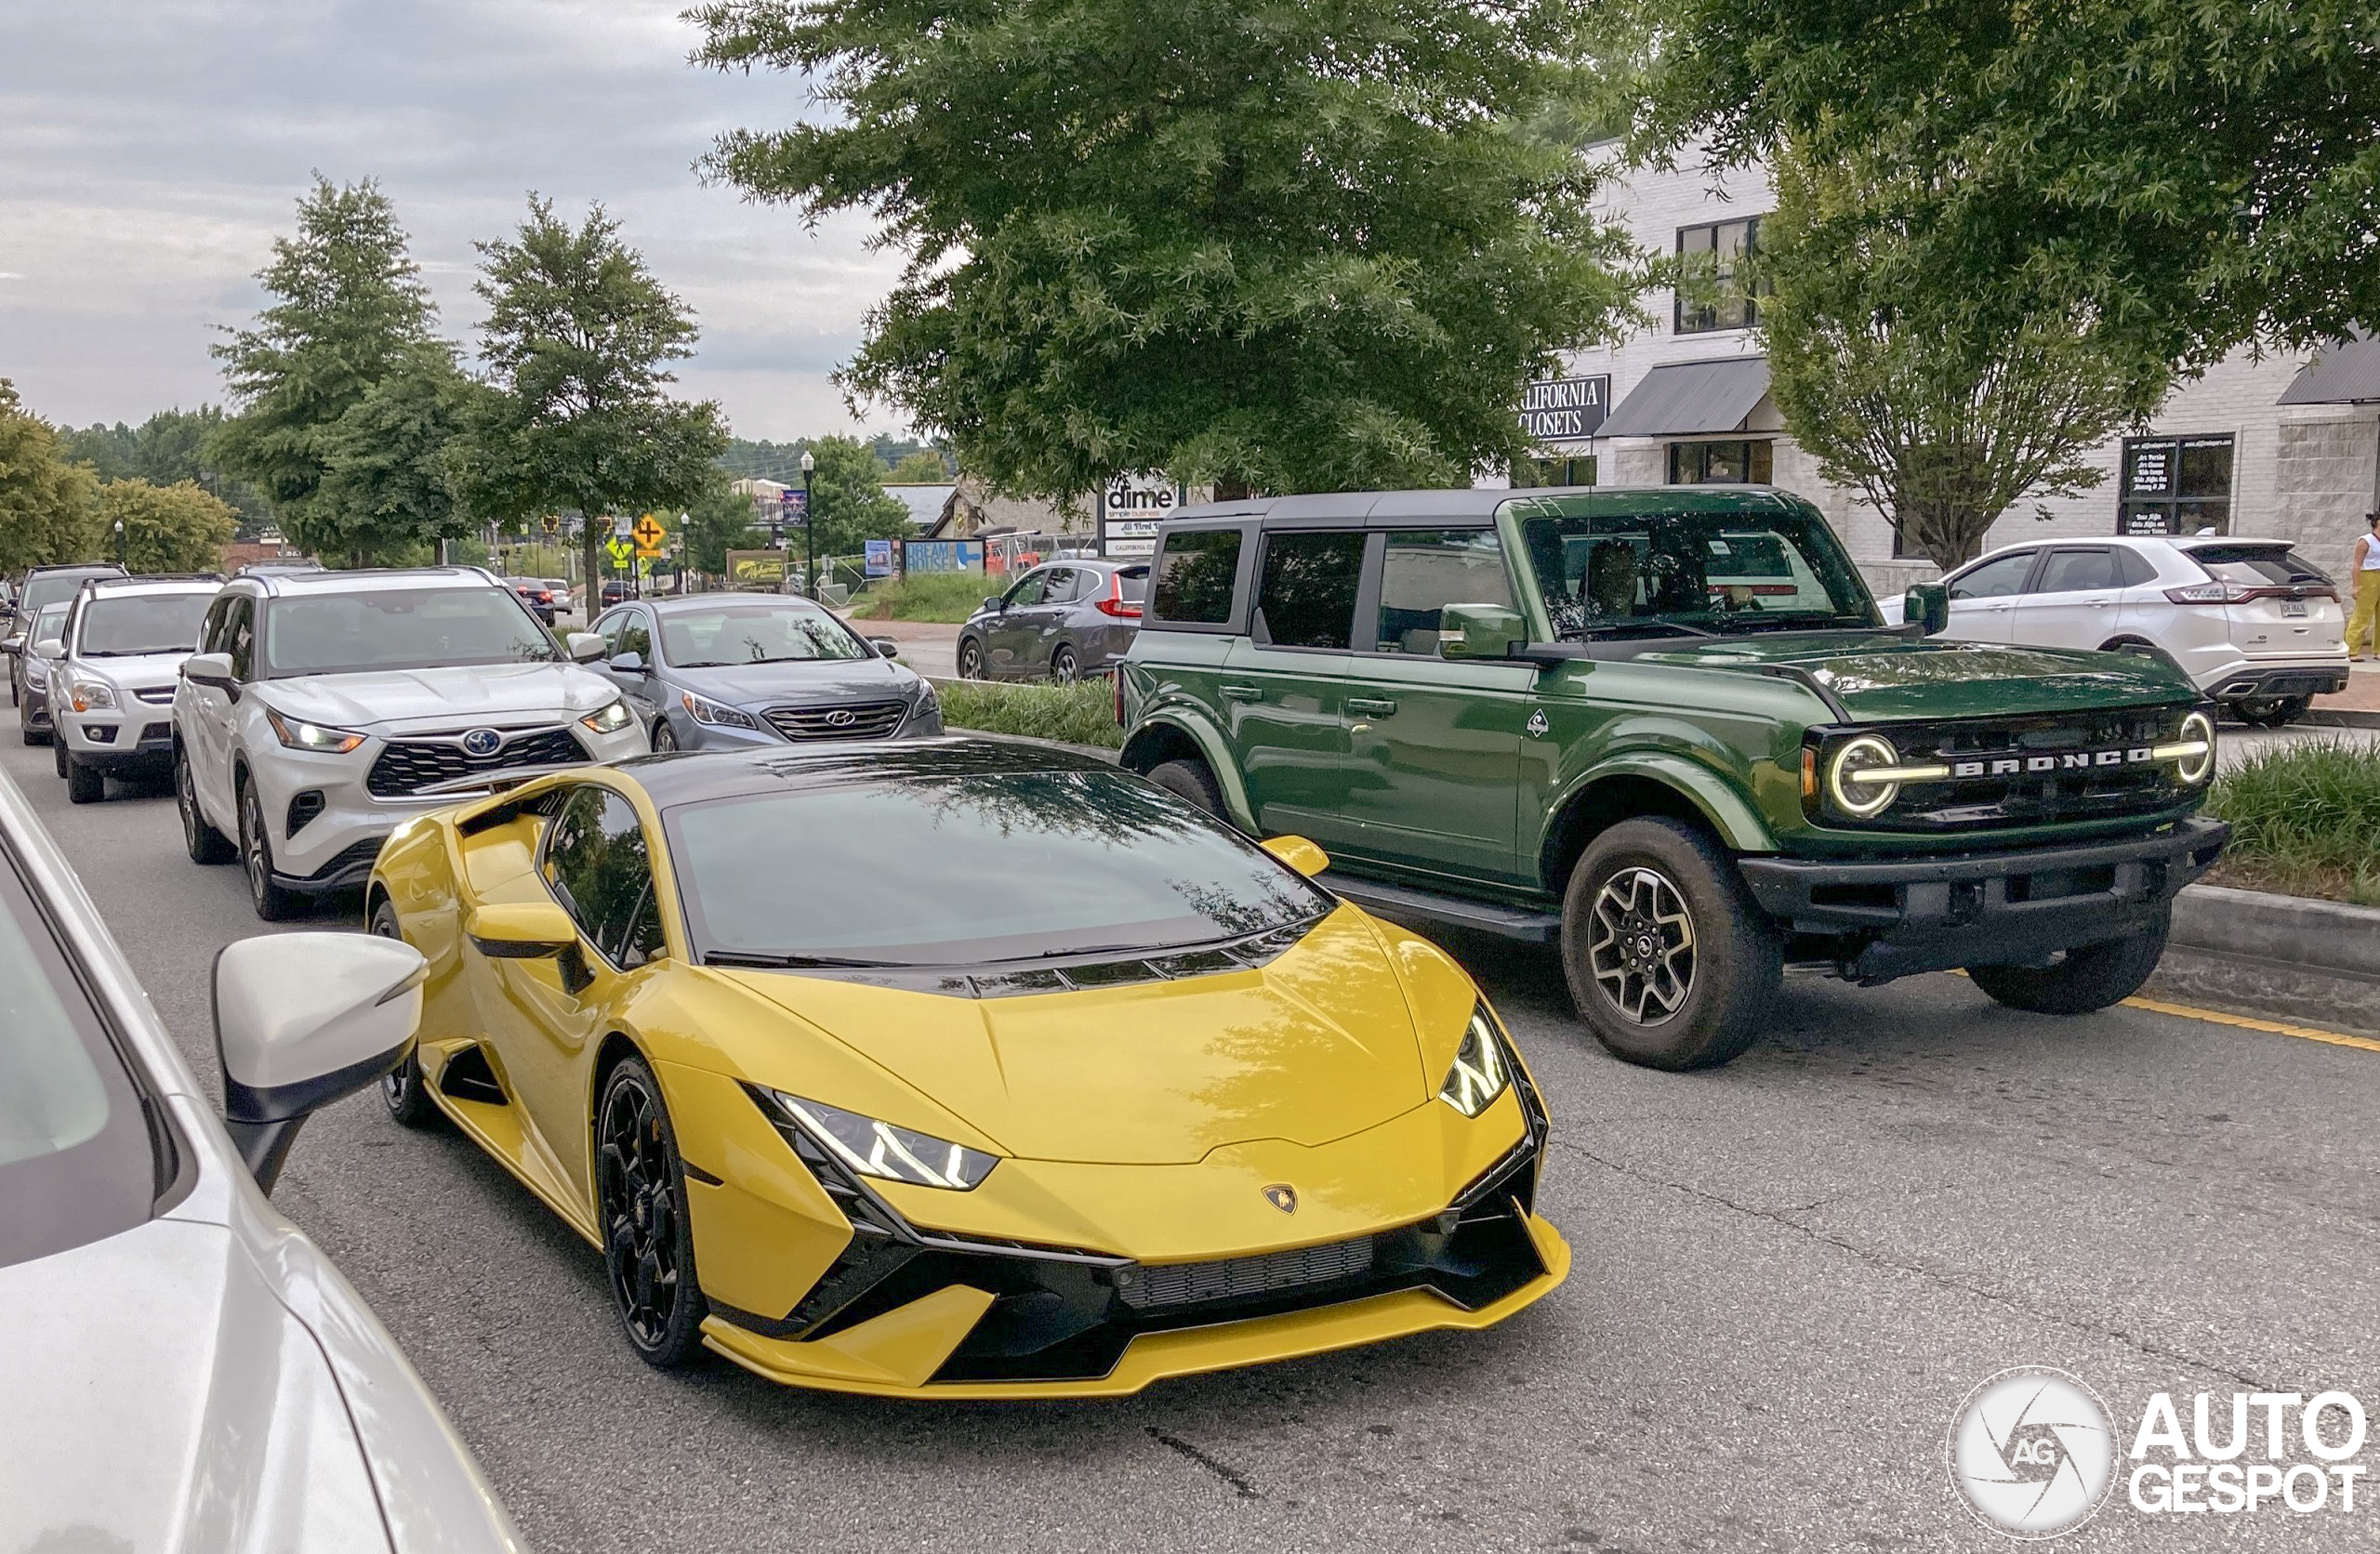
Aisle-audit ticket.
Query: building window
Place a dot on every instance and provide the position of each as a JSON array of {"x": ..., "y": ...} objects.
[
  {"x": 1554, "y": 469},
  {"x": 1712, "y": 291},
  {"x": 2176, "y": 485},
  {"x": 1719, "y": 463}
]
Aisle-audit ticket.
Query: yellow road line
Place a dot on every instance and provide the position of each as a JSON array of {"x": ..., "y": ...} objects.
[{"x": 2269, "y": 1027}]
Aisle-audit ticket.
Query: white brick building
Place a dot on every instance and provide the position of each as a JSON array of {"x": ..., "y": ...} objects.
[{"x": 1686, "y": 401}]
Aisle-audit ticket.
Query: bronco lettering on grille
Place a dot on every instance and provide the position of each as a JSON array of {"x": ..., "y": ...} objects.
[{"x": 2074, "y": 760}]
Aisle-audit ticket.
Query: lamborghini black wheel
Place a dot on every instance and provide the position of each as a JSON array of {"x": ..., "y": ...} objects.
[{"x": 648, "y": 1240}]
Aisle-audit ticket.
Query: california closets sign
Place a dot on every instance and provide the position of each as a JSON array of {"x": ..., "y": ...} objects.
[{"x": 1563, "y": 409}]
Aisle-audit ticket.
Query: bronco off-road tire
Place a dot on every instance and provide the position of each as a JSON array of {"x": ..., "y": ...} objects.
[
  {"x": 1190, "y": 779},
  {"x": 2081, "y": 981},
  {"x": 1670, "y": 962}
]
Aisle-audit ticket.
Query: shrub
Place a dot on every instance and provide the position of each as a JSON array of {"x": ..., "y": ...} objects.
[
  {"x": 2305, "y": 818},
  {"x": 949, "y": 597},
  {"x": 1078, "y": 713}
]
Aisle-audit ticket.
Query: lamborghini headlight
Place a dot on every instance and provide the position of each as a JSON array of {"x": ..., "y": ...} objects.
[
  {"x": 1480, "y": 1073},
  {"x": 609, "y": 719},
  {"x": 875, "y": 1149}
]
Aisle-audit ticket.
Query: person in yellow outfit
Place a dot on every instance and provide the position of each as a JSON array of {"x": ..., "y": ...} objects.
[{"x": 2363, "y": 615}]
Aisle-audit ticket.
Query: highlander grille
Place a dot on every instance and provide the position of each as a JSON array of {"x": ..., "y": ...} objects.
[
  {"x": 1155, "y": 1286},
  {"x": 848, "y": 720},
  {"x": 409, "y": 765},
  {"x": 2031, "y": 798}
]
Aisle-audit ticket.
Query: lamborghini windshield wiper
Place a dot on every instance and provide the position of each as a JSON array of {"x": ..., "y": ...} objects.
[{"x": 776, "y": 962}]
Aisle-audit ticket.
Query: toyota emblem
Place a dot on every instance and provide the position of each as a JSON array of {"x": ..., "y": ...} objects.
[
  {"x": 842, "y": 718},
  {"x": 481, "y": 742}
]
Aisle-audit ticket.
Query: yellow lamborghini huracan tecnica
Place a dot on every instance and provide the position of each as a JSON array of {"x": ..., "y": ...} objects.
[{"x": 962, "y": 1069}]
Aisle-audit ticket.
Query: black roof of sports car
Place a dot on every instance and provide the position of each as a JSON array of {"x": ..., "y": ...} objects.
[{"x": 693, "y": 778}]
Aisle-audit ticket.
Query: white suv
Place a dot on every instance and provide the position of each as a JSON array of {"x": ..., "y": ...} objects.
[
  {"x": 323, "y": 708},
  {"x": 111, "y": 678},
  {"x": 2254, "y": 625}
]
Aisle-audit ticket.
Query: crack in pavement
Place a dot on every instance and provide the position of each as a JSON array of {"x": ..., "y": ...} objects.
[
  {"x": 1876, "y": 1260},
  {"x": 1222, "y": 1471}
]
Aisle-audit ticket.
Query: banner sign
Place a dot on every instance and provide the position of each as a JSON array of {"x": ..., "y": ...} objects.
[
  {"x": 880, "y": 558},
  {"x": 756, "y": 569},
  {"x": 1564, "y": 409},
  {"x": 943, "y": 555}
]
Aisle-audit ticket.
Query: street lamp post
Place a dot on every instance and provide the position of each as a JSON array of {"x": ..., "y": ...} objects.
[
  {"x": 119, "y": 543},
  {"x": 809, "y": 529}
]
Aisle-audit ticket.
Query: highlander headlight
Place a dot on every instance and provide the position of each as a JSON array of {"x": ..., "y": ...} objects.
[
  {"x": 609, "y": 719},
  {"x": 83, "y": 695},
  {"x": 1480, "y": 1073},
  {"x": 875, "y": 1149},
  {"x": 704, "y": 710},
  {"x": 300, "y": 736},
  {"x": 2193, "y": 753}
]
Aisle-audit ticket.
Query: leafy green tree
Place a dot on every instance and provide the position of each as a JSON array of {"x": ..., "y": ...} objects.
[
  {"x": 718, "y": 521},
  {"x": 181, "y": 527},
  {"x": 389, "y": 481},
  {"x": 167, "y": 448},
  {"x": 1943, "y": 404},
  {"x": 923, "y": 467},
  {"x": 577, "y": 342},
  {"x": 848, "y": 502},
  {"x": 44, "y": 499},
  {"x": 349, "y": 310},
  {"x": 2195, "y": 174},
  {"x": 1295, "y": 246}
]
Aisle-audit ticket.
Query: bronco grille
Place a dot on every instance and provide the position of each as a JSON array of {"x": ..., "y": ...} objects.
[
  {"x": 2034, "y": 771},
  {"x": 409, "y": 765},
  {"x": 1155, "y": 1286},
  {"x": 851, "y": 720}
]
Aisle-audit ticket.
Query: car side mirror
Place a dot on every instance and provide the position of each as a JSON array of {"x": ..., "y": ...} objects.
[
  {"x": 1926, "y": 606},
  {"x": 519, "y": 930},
  {"x": 12, "y": 644},
  {"x": 208, "y": 668},
  {"x": 302, "y": 1019},
  {"x": 630, "y": 663},
  {"x": 1298, "y": 853},
  {"x": 994, "y": 603},
  {"x": 885, "y": 646},
  {"x": 1480, "y": 631},
  {"x": 584, "y": 647},
  {"x": 51, "y": 649}
]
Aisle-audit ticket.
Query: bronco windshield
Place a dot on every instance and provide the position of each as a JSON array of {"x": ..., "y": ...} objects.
[
  {"x": 123, "y": 627},
  {"x": 966, "y": 870},
  {"x": 1608, "y": 572},
  {"x": 400, "y": 628},
  {"x": 754, "y": 632}
]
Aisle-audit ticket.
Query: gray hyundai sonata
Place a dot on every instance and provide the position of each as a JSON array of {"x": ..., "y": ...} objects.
[{"x": 729, "y": 671}]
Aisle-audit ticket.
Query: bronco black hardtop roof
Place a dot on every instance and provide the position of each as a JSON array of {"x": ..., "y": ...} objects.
[{"x": 1394, "y": 510}]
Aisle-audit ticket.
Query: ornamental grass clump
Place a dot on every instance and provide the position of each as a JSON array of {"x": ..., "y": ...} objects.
[
  {"x": 2305, "y": 820},
  {"x": 1083, "y": 713}
]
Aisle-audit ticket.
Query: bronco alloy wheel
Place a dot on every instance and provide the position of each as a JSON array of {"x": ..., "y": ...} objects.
[
  {"x": 648, "y": 1242},
  {"x": 1669, "y": 961}
]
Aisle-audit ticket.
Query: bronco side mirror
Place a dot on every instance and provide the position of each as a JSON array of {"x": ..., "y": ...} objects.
[
  {"x": 1479, "y": 631},
  {"x": 1928, "y": 607}
]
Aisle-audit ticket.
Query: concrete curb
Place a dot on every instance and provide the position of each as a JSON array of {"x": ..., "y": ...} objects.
[
  {"x": 2280, "y": 957},
  {"x": 2324, "y": 718}
]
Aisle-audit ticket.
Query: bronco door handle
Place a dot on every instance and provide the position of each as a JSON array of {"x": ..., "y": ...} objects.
[
  {"x": 1240, "y": 692},
  {"x": 1371, "y": 706}
]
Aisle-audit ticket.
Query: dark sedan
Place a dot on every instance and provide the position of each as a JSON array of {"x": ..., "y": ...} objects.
[
  {"x": 1062, "y": 621},
  {"x": 730, "y": 671}
]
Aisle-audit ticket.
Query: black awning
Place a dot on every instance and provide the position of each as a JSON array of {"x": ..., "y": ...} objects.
[
  {"x": 2346, "y": 372},
  {"x": 1690, "y": 398}
]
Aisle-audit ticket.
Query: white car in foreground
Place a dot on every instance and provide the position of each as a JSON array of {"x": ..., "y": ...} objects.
[
  {"x": 111, "y": 678},
  {"x": 2254, "y": 625},
  {"x": 184, "y": 1370},
  {"x": 324, "y": 708}
]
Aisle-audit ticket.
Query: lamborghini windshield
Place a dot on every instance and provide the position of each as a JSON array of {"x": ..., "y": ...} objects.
[
  {"x": 1608, "y": 573},
  {"x": 965, "y": 870}
]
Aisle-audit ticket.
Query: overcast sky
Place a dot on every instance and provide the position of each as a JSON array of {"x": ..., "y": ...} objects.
[{"x": 151, "y": 150}]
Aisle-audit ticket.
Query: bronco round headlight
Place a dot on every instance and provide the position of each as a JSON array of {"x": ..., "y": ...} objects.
[
  {"x": 2195, "y": 749},
  {"x": 1859, "y": 796}
]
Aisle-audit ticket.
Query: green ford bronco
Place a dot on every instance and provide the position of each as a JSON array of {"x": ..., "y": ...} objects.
[{"x": 1667, "y": 729}]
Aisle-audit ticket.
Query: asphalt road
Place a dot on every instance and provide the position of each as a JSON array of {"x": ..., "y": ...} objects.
[{"x": 1789, "y": 1273}]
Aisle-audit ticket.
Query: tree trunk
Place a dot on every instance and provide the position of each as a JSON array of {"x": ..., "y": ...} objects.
[{"x": 590, "y": 554}]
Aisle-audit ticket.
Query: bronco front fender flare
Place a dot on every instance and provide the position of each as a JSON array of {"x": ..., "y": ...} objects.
[
  {"x": 1737, "y": 824},
  {"x": 1212, "y": 748}
]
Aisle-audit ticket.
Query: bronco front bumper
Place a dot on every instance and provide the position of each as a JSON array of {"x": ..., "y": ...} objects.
[{"x": 1930, "y": 914}]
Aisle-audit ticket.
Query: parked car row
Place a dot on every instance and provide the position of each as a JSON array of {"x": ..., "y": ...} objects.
[{"x": 1060, "y": 622}]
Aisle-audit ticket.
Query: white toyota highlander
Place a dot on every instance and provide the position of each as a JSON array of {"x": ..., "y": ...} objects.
[{"x": 324, "y": 708}]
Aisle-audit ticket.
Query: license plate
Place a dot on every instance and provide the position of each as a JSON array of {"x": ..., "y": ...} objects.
[{"x": 2293, "y": 609}]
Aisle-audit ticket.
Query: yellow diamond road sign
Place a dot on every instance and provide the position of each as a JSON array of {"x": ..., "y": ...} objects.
[
  {"x": 619, "y": 549},
  {"x": 649, "y": 536}
]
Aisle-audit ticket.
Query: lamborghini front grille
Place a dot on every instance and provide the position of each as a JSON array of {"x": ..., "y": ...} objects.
[{"x": 1158, "y": 1286}]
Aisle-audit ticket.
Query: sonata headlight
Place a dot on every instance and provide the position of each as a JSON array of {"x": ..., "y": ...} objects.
[
  {"x": 2193, "y": 753},
  {"x": 609, "y": 719},
  {"x": 1481, "y": 1073},
  {"x": 875, "y": 1149},
  {"x": 704, "y": 710},
  {"x": 929, "y": 705},
  {"x": 300, "y": 736},
  {"x": 83, "y": 695}
]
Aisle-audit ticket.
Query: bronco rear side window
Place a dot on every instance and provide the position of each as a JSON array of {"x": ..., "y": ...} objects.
[{"x": 1196, "y": 575}]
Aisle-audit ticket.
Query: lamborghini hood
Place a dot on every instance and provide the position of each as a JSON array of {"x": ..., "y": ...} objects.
[
  {"x": 1883, "y": 678},
  {"x": 1315, "y": 1045}
]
